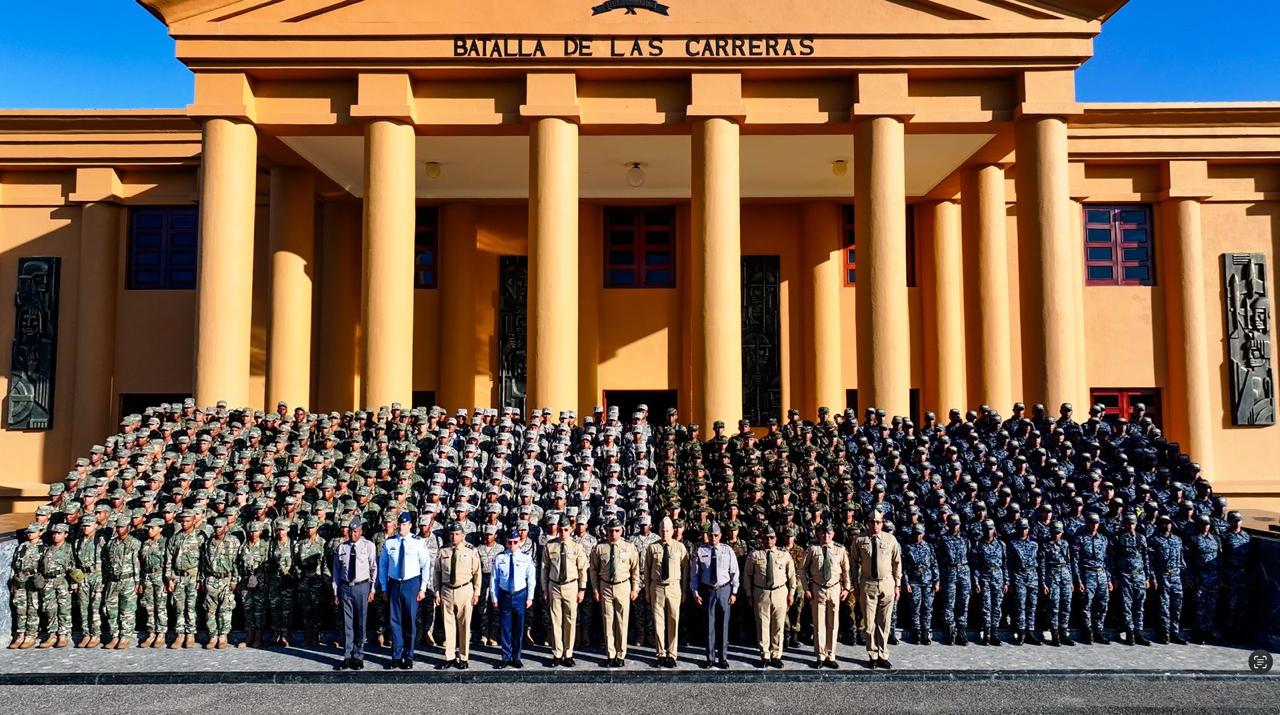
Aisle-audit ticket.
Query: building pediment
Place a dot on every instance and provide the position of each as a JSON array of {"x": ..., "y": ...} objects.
[{"x": 900, "y": 31}]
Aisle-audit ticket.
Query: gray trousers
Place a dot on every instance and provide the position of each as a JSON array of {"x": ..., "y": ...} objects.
[{"x": 355, "y": 604}]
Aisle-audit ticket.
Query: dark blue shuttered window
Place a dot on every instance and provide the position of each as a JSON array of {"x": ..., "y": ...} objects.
[
  {"x": 640, "y": 247},
  {"x": 162, "y": 248}
]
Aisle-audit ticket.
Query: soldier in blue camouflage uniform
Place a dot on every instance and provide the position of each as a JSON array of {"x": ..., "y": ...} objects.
[
  {"x": 86, "y": 581},
  {"x": 281, "y": 583},
  {"x": 26, "y": 596},
  {"x": 1235, "y": 574},
  {"x": 1024, "y": 567},
  {"x": 121, "y": 570},
  {"x": 155, "y": 597},
  {"x": 1091, "y": 561},
  {"x": 252, "y": 563},
  {"x": 1167, "y": 567},
  {"x": 181, "y": 572},
  {"x": 920, "y": 581},
  {"x": 1204, "y": 557},
  {"x": 990, "y": 581},
  {"x": 1055, "y": 582},
  {"x": 953, "y": 562},
  {"x": 221, "y": 574},
  {"x": 1133, "y": 575}
]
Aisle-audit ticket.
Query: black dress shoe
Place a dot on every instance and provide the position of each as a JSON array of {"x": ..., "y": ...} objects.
[
  {"x": 832, "y": 664},
  {"x": 357, "y": 664},
  {"x": 406, "y": 664},
  {"x": 462, "y": 665},
  {"x": 817, "y": 663},
  {"x": 501, "y": 665},
  {"x": 620, "y": 663},
  {"x": 871, "y": 663},
  {"x": 342, "y": 665},
  {"x": 763, "y": 663},
  {"x": 775, "y": 663},
  {"x": 722, "y": 664},
  {"x": 553, "y": 662},
  {"x": 391, "y": 664},
  {"x": 884, "y": 664},
  {"x": 567, "y": 662},
  {"x": 893, "y": 638},
  {"x": 517, "y": 663},
  {"x": 444, "y": 665}
]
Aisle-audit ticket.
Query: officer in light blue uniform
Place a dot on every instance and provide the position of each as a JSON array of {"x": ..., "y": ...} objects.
[
  {"x": 1133, "y": 577},
  {"x": 1167, "y": 568},
  {"x": 1091, "y": 558},
  {"x": 403, "y": 571},
  {"x": 511, "y": 588},
  {"x": 1024, "y": 568}
]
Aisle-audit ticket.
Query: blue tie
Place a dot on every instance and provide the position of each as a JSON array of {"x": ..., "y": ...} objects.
[
  {"x": 401, "y": 563},
  {"x": 511, "y": 573}
]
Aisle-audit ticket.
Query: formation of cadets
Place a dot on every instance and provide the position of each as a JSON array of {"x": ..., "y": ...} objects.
[{"x": 1029, "y": 525}]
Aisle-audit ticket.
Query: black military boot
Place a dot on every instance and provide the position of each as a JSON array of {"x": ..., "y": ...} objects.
[
  {"x": 948, "y": 637},
  {"x": 1140, "y": 639},
  {"x": 1032, "y": 638},
  {"x": 1162, "y": 636},
  {"x": 926, "y": 637},
  {"x": 893, "y": 636},
  {"x": 993, "y": 639},
  {"x": 1101, "y": 637},
  {"x": 1125, "y": 637},
  {"x": 1176, "y": 637},
  {"x": 1017, "y": 637},
  {"x": 961, "y": 639},
  {"x": 1086, "y": 637},
  {"x": 1065, "y": 637},
  {"x": 1053, "y": 639}
]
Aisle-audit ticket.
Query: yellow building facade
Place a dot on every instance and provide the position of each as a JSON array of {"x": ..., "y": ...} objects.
[{"x": 738, "y": 208}]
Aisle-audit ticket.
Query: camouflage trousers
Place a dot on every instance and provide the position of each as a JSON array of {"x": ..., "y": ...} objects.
[
  {"x": 1133, "y": 597},
  {"x": 956, "y": 589},
  {"x": 921, "y": 607},
  {"x": 120, "y": 605},
  {"x": 586, "y": 621},
  {"x": 219, "y": 604},
  {"x": 426, "y": 618},
  {"x": 55, "y": 600},
  {"x": 1169, "y": 600},
  {"x": 89, "y": 604},
  {"x": 991, "y": 598},
  {"x": 641, "y": 625},
  {"x": 313, "y": 593},
  {"x": 155, "y": 602},
  {"x": 795, "y": 616},
  {"x": 1094, "y": 604},
  {"x": 1059, "y": 599},
  {"x": 1026, "y": 594},
  {"x": 1206, "y": 599},
  {"x": 185, "y": 591},
  {"x": 486, "y": 615},
  {"x": 282, "y": 593},
  {"x": 256, "y": 603},
  {"x": 380, "y": 615},
  {"x": 1235, "y": 599},
  {"x": 26, "y": 605}
]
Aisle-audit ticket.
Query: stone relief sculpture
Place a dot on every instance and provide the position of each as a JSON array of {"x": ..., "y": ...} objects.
[
  {"x": 1248, "y": 338},
  {"x": 35, "y": 344}
]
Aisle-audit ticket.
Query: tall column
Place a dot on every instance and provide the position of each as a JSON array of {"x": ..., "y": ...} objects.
[
  {"x": 948, "y": 307},
  {"x": 387, "y": 307},
  {"x": 995, "y": 345},
  {"x": 821, "y": 243},
  {"x": 717, "y": 263},
  {"x": 292, "y": 239},
  {"x": 100, "y": 232},
  {"x": 457, "y": 306},
  {"x": 1044, "y": 222},
  {"x": 224, "y": 290},
  {"x": 1193, "y": 377},
  {"x": 884, "y": 348},
  {"x": 339, "y": 367},
  {"x": 553, "y": 263}
]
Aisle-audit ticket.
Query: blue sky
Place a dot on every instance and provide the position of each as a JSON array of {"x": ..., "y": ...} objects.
[{"x": 112, "y": 53}]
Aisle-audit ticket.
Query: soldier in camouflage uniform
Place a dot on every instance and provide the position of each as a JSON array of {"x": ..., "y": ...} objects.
[
  {"x": 1167, "y": 566},
  {"x": 1091, "y": 560},
  {"x": 990, "y": 581},
  {"x": 641, "y": 625},
  {"x": 86, "y": 581},
  {"x": 1133, "y": 577},
  {"x": 1024, "y": 570},
  {"x": 281, "y": 583},
  {"x": 1235, "y": 574},
  {"x": 1055, "y": 583},
  {"x": 121, "y": 571},
  {"x": 1204, "y": 556},
  {"x": 920, "y": 581},
  {"x": 182, "y": 572},
  {"x": 586, "y": 609},
  {"x": 314, "y": 585},
  {"x": 487, "y": 615},
  {"x": 253, "y": 585},
  {"x": 221, "y": 574},
  {"x": 953, "y": 564},
  {"x": 55, "y": 594},
  {"x": 26, "y": 597},
  {"x": 796, "y": 611},
  {"x": 155, "y": 597}
]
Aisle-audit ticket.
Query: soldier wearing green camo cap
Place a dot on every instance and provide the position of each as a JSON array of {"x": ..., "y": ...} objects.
[
  {"x": 25, "y": 592},
  {"x": 253, "y": 584},
  {"x": 155, "y": 596},
  {"x": 55, "y": 592},
  {"x": 221, "y": 576},
  {"x": 282, "y": 579},
  {"x": 121, "y": 572},
  {"x": 314, "y": 578}
]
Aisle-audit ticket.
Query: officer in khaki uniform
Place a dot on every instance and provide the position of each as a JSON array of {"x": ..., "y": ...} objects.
[
  {"x": 877, "y": 561},
  {"x": 457, "y": 587},
  {"x": 615, "y": 577},
  {"x": 564, "y": 583},
  {"x": 771, "y": 584},
  {"x": 827, "y": 584},
  {"x": 665, "y": 574}
]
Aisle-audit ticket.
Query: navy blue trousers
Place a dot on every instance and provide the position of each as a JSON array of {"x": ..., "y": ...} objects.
[
  {"x": 403, "y": 597},
  {"x": 511, "y": 608},
  {"x": 716, "y": 603}
]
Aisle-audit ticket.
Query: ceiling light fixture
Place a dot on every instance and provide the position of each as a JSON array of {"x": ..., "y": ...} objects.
[
  {"x": 839, "y": 167},
  {"x": 635, "y": 175},
  {"x": 433, "y": 169}
]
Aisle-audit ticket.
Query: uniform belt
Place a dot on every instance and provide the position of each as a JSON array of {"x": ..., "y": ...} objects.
[
  {"x": 615, "y": 583},
  {"x": 714, "y": 587},
  {"x": 1095, "y": 569},
  {"x": 570, "y": 580},
  {"x": 828, "y": 585},
  {"x": 767, "y": 588},
  {"x": 1173, "y": 570},
  {"x": 452, "y": 587},
  {"x": 1025, "y": 571},
  {"x": 355, "y": 583}
]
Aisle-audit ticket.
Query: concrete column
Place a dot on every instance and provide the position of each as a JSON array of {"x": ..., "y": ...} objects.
[
  {"x": 292, "y": 240},
  {"x": 457, "y": 306},
  {"x": 1044, "y": 222},
  {"x": 224, "y": 289},
  {"x": 948, "y": 307},
  {"x": 339, "y": 347},
  {"x": 1188, "y": 304},
  {"x": 717, "y": 264},
  {"x": 821, "y": 243},
  {"x": 387, "y": 306},
  {"x": 100, "y": 224},
  {"x": 995, "y": 347},
  {"x": 884, "y": 348},
  {"x": 553, "y": 263}
]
